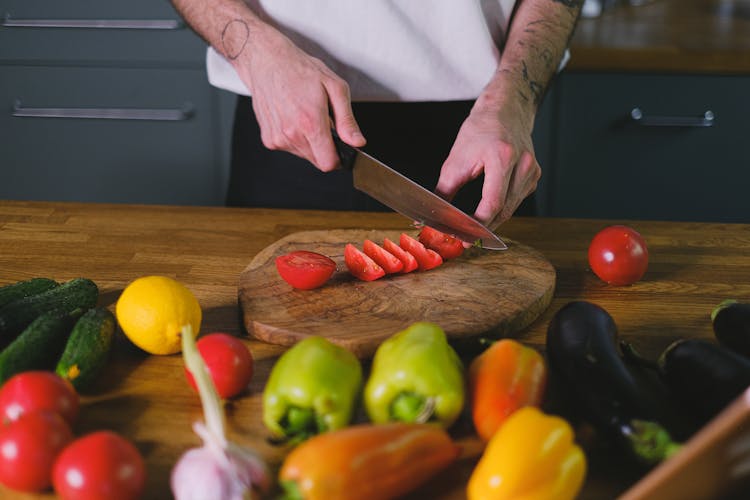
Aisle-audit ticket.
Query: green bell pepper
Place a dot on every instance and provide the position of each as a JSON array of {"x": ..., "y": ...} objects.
[
  {"x": 416, "y": 376},
  {"x": 313, "y": 388}
]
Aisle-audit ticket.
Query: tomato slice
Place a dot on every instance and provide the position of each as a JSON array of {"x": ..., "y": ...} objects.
[
  {"x": 382, "y": 257},
  {"x": 304, "y": 269},
  {"x": 409, "y": 261},
  {"x": 449, "y": 247},
  {"x": 360, "y": 265},
  {"x": 426, "y": 258}
]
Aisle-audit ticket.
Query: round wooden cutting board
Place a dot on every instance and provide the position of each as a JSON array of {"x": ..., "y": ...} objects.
[{"x": 480, "y": 293}]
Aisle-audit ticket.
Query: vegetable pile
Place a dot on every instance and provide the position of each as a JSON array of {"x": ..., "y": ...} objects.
[
  {"x": 56, "y": 344},
  {"x": 354, "y": 430}
]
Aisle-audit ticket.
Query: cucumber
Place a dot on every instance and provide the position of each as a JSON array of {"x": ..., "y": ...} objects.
[
  {"x": 88, "y": 348},
  {"x": 38, "y": 346},
  {"x": 79, "y": 294},
  {"x": 27, "y": 288}
]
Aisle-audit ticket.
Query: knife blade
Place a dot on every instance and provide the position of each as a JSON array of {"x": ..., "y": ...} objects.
[{"x": 410, "y": 199}]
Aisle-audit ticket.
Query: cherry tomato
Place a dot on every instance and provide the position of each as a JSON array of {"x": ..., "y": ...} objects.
[
  {"x": 38, "y": 390},
  {"x": 228, "y": 361},
  {"x": 410, "y": 262},
  {"x": 99, "y": 466},
  {"x": 426, "y": 258},
  {"x": 305, "y": 270},
  {"x": 382, "y": 257},
  {"x": 449, "y": 247},
  {"x": 28, "y": 448},
  {"x": 360, "y": 265},
  {"x": 618, "y": 255}
]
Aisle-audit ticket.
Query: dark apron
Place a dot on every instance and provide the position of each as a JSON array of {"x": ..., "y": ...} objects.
[{"x": 413, "y": 138}]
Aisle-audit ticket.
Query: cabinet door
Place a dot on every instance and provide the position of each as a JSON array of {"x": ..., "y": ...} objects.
[
  {"x": 669, "y": 164},
  {"x": 108, "y": 135},
  {"x": 133, "y": 32}
]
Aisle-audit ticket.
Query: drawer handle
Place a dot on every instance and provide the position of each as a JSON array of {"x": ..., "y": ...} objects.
[
  {"x": 707, "y": 120},
  {"x": 148, "y": 114},
  {"x": 126, "y": 24}
]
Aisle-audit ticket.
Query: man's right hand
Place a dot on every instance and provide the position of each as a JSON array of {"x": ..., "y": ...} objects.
[{"x": 296, "y": 99}]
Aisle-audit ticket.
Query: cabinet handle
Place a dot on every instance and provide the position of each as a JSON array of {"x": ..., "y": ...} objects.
[
  {"x": 127, "y": 24},
  {"x": 148, "y": 114},
  {"x": 707, "y": 120}
]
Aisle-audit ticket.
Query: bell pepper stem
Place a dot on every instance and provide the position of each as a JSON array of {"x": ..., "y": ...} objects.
[
  {"x": 411, "y": 407},
  {"x": 299, "y": 422},
  {"x": 649, "y": 441}
]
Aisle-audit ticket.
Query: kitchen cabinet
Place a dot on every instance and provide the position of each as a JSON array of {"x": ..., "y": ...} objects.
[
  {"x": 108, "y": 101},
  {"x": 651, "y": 146}
]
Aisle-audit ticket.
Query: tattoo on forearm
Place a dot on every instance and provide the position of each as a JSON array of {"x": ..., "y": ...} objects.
[
  {"x": 536, "y": 88},
  {"x": 234, "y": 37}
]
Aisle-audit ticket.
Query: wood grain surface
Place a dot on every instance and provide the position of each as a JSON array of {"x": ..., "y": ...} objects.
[
  {"x": 481, "y": 293},
  {"x": 693, "y": 267},
  {"x": 685, "y": 36}
]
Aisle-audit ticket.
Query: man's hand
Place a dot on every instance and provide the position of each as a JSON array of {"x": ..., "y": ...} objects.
[
  {"x": 496, "y": 143},
  {"x": 294, "y": 97}
]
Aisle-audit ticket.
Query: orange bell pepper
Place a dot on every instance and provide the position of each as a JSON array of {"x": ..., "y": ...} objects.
[
  {"x": 532, "y": 456},
  {"x": 366, "y": 461},
  {"x": 504, "y": 378}
]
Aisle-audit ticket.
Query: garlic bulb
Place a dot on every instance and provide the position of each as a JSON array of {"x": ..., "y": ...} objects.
[{"x": 218, "y": 470}]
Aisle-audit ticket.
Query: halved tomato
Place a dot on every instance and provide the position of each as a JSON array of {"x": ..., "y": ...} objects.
[
  {"x": 304, "y": 269},
  {"x": 360, "y": 265},
  {"x": 409, "y": 261},
  {"x": 385, "y": 259},
  {"x": 449, "y": 247},
  {"x": 426, "y": 258}
]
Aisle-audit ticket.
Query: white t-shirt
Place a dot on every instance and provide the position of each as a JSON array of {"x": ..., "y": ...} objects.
[{"x": 390, "y": 50}]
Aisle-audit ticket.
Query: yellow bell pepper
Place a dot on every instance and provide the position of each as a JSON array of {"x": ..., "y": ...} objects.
[{"x": 532, "y": 456}]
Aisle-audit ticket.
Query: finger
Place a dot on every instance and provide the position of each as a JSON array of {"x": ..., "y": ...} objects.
[
  {"x": 494, "y": 191},
  {"x": 323, "y": 152},
  {"x": 453, "y": 176},
  {"x": 343, "y": 115},
  {"x": 523, "y": 182}
]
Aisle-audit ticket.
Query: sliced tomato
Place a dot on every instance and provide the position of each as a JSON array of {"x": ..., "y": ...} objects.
[
  {"x": 382, "y": 257},
  {"x": 426, "y": 258},
  {"x": 360, "y": 265},
  {"x": 409, "y": 261},
  {"x": 449, "y": 247},
  {"x": 304, "y": 269}
]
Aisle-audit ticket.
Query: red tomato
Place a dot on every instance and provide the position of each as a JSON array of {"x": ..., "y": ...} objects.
[
  {"x": 38, "y": 390},
  {"x": 228, "y": 361},
  {"x": 360, "y": 265},
  {"x": 305, "y": 270},
  {"x": 28, "y": 448},
  {"x": 99, "y": 466},
  {"x": 382, "y": 257},
  {"x": 409, "y": 261},
  {"x": 618, "y": 255},
  {"x": 449, "y": 247},
  {"x": 426, "y": 258}
]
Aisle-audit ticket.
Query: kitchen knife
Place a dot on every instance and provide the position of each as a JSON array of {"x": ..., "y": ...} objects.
[{"x": 408, "y": 198}]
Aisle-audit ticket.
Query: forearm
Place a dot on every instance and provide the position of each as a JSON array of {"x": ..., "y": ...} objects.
[
  {"x": 229, "y": 26},
  {"x": 537, "y": 38}
]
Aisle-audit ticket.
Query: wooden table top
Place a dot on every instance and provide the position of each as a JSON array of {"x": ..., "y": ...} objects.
[
  {"x": 693, "y": 266},
  {"x": 686, "y": 36}
]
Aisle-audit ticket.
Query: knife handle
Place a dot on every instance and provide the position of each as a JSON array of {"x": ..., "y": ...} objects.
[{"x": 347, "y": 154}]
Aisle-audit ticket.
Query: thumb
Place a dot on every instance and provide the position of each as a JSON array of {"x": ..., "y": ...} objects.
[{"x": 344, "y": 121}]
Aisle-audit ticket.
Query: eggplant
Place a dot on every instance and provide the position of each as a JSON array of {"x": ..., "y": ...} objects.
[
  {"x": 582, "y": 351},
  {"x": 731, "y": 322},
  {"x": 704, "y": 375}
]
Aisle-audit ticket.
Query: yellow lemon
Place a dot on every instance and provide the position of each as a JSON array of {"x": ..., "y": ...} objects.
[{"x": 152, "y": 310}]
